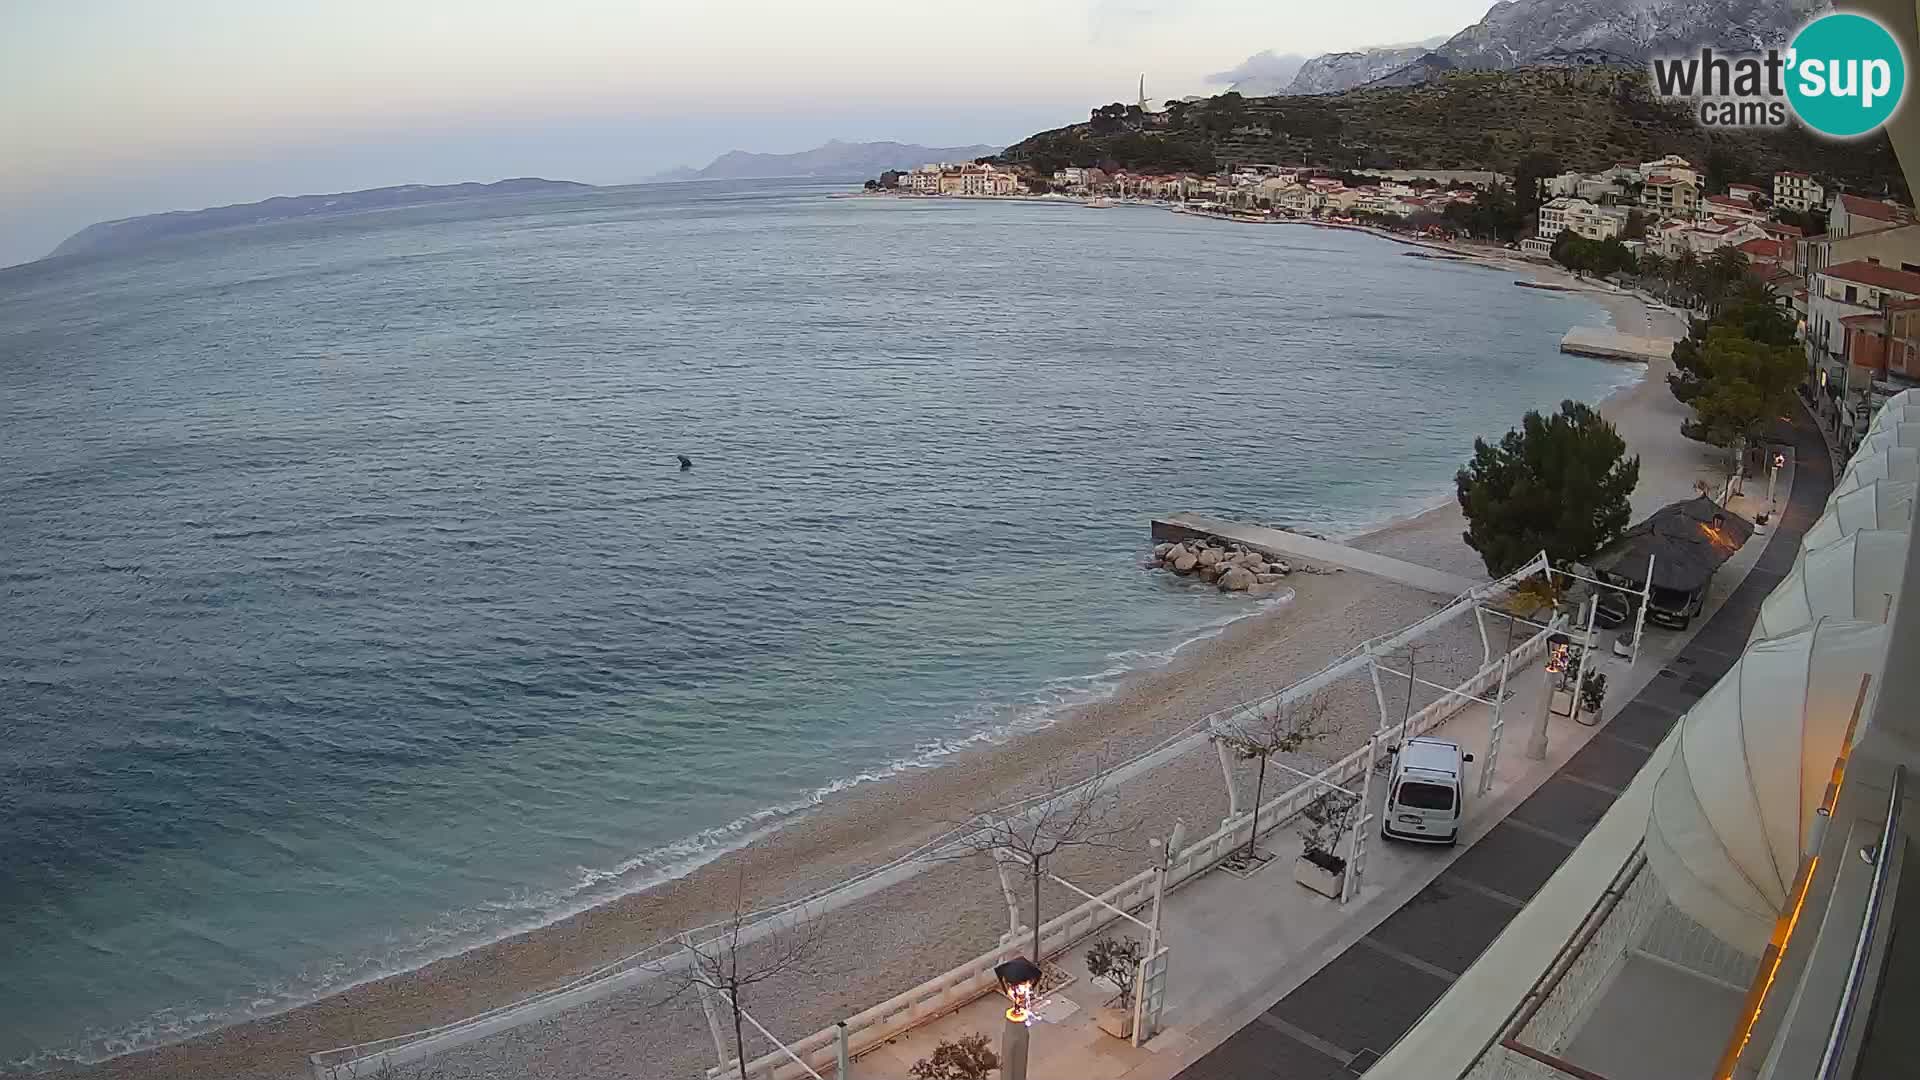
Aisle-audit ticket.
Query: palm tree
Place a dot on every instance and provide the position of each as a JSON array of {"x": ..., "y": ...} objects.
[
  {"x": 1726, "y": 268},
  {"x": 1685, "y": 272},
  {"x": 1655, "y": 265}
]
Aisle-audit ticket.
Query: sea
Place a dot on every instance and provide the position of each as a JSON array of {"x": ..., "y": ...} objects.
[{"x": 356, "y": 610}]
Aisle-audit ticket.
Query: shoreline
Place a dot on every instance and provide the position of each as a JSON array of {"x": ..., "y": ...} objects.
[{"x": 864, "y": 824}]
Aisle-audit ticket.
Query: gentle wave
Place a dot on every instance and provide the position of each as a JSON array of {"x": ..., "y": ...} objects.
[{"x": 596, "y": 886}]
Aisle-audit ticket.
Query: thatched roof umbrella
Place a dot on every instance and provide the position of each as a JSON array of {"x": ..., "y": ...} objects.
[{"x": 1688, "y": 540}]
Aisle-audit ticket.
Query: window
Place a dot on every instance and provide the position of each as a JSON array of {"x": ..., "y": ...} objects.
[
  {"x": 1425, "y": 796},
  {"x": 1853, "y": 295}
]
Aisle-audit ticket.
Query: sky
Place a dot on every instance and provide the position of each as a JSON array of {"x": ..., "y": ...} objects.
[{"x": 112, "y": 108}]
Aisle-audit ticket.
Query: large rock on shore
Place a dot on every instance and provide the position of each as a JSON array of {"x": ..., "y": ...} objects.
[
  {"x": 1183, "y": 561},
  {"x": 1237, "y": 579},
  {"x": 1210, "y": 556}
]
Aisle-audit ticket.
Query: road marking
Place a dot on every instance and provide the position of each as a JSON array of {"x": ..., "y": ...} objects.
[
  {"x": 1455, "y": 877},
  {"x": 1300, "y": 1035},
  {"x": 1528, "y": 826},
  {"x": 1408, "y": 959}
]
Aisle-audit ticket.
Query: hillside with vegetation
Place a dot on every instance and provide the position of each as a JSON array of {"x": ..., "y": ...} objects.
[{"x": 1580, "y": 118}]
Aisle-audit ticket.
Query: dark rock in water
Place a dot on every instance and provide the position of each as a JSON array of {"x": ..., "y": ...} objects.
[{"x": 685, "y": 462}]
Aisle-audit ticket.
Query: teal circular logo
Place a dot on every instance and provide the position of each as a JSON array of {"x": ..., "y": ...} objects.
[{"x": 1845, "y": 75}]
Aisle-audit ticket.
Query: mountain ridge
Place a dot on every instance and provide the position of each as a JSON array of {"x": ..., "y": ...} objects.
[
  {"x": 1523, "y": 33},
  {"x": 833, "y": 158},
  {"x": 129, "y": 232},
  {"x": 1575, "y": 117}
]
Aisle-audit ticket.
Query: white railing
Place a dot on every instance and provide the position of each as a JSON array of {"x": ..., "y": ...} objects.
[{"x": 963, "y": 984}]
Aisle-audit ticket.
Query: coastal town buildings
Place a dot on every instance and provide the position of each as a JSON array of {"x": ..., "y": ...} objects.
[
  {"x": 946, "y": 178},
  {"x": 978, "y": 180},
  {"x": 1798, "y": 191}
]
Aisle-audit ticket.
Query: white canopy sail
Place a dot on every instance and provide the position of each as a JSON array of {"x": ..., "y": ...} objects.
[
  {"x": 1901, "y": 408},
  {"x": 1902, "y": 434},
  {"x": 1882, "y": 504},
  {"x": 1894, "y": 462},
  {"x": 1855, "y": 577},
  {"x": 1733, "y": 808}
]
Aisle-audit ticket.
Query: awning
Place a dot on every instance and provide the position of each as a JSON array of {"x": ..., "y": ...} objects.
[
  {"x": 1894, "y": 462},
  {"x": 1688, "y": 540},
  {"x": 1882, "y": 504},
  {"x": 1853, "y": 578},
  {"x": 1733, "y": 808}
]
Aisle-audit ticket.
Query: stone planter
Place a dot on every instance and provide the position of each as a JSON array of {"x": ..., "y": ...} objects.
[
  {"x": 1115, "y": 1019},
  {"x": 1323, "y": 873}
]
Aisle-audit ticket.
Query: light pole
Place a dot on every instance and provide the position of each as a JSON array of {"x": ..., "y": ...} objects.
[
  {"x": 1018, "y": 978},
  {"x": 1773, "y": 475}
]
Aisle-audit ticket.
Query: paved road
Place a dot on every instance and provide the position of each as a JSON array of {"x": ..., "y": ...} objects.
[{"x": 1344, "y": 1018}]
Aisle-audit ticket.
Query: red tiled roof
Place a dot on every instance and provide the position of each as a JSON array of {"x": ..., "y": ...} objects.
[
  {"x": 1863, "y": 272},
  {"x": 1783, "y": 228},
  {"x": 1862, "y": 206},
  {"x": 1728, "y": 200},
  {"x": 1792, "y": 173},
  {"x": 1761, "y": 249}
]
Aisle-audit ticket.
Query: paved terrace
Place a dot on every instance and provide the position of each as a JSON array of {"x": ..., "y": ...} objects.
[
  {"x": 1292, "y": 545},
  {"x": 1339, "y": 1021}
]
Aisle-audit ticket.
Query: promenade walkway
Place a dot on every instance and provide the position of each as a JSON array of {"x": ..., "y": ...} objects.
[
  {"x": 1292, "y": 545},
  {"x": 1338, "y": 1022},
  {"x": 1270, "y": 982}
]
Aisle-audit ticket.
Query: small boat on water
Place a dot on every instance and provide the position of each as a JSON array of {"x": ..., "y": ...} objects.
[{"x": 1101, "y": 203}]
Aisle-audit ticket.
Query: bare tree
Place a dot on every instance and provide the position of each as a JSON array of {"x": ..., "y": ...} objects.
[
  {"x": 1274, "y": 727},
  {"x": 745, "y": 953},
  {"x": 1030, "y": 833}
]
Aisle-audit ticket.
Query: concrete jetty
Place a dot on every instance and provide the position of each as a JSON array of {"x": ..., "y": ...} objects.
[
  {"x": 1612, "y": 345},
  {"x": 1282, "y": 544}
]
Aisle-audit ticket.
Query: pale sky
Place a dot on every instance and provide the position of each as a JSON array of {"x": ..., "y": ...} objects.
[{"x": 110, "y": 108}]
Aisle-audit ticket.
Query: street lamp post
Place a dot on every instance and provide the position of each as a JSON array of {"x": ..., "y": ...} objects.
[
  {"x": 1018, "y": 977},
  {"x": 1773, "y": 475}
]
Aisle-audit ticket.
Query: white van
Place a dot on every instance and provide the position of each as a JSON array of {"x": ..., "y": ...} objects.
[{"x": 1428, "y": 790}]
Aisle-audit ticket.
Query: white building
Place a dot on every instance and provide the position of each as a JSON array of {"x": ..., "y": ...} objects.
[
  {"x": 1680, "y": 237},
  {"x": 1581, "y": 217},
  {"x": 1798, "y": 191},
  {"x": 1672, "y": 165}
]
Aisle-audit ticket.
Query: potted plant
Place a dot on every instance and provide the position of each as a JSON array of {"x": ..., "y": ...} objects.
[
  {"x": 966, "y": 1058},
  {"x": 1593, "y": 692},
  {"x": 1326, "y": 820},
  {"x": 1115, "y": 963}
]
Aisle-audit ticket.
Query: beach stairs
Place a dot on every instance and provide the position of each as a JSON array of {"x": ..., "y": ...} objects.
[{"x": 1281, "y": 544}]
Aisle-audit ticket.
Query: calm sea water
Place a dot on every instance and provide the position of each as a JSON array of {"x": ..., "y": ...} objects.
[{"x": 355, "y": 609}]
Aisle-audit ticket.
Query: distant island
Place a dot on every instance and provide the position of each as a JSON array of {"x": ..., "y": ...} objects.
[
  {"x": 132, "y": 232},
  {"x": 836, "y": 158}
]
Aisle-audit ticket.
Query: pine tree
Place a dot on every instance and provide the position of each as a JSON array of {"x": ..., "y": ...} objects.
[{"x": 1557, "y": 483}]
